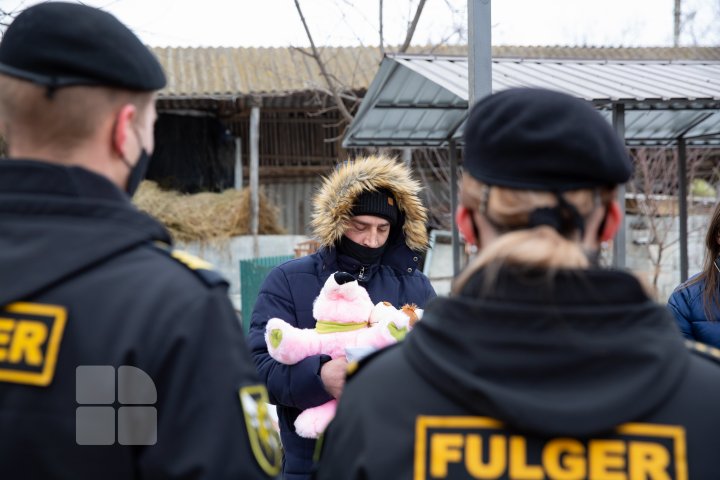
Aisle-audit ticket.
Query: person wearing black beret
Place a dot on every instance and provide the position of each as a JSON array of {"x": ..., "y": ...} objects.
[
  {"x": 120, "y": 358},
  {"x": 541, "y": 364}
]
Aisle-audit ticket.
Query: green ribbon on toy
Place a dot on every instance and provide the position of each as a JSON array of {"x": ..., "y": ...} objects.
[
  {"x": 397, "y": 333},
  {"x": 326, "y": 326}
]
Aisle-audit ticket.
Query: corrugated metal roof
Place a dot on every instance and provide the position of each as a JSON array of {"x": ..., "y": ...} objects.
[
  {"x": 228, "y": 72},
  {"x": 422, "y": 100},
  {"x": 603, "y": 53},
  {"x": 237, "y": 72}
]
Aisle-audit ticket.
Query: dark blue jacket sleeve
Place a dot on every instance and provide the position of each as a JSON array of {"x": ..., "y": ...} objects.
[
  {"x": 681, "y": 309},
  {"x": 429, "y": 290},
  {"x": 296, "y": 385}
]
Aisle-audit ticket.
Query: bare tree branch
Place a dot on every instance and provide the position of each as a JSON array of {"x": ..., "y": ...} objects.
[
  {"x": 457, "y": 31},
  {"x": 323, "y": 70},
  {"x": 656, "y": 186},
  {"x": 412, "y": 27},
  {"x": 7, "y": 17},
  {"x": 438, "y": 203},
  {"x": 340, "y": 90},
  {"x": 303, "y": 51}
]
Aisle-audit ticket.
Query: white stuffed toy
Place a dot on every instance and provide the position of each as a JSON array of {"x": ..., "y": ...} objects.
[{"x": 345, "y": 318}]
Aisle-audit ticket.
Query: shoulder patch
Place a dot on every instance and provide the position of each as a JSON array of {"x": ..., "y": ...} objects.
[
  {"x": 352, "y": 368},
  {"x": 30, "y": 338},
  {"x": 190, "y": 260},
  {"x": 203, "y": 269},
  {"x": 264, "y": 437},
  {"x": 703, "y": 350}
]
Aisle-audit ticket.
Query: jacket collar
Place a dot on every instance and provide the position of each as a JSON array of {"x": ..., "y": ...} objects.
[
  {"x": 398, "y": 257},
  {"x": 349, "y": 264},
  {"x": 38, "y": 178},
  {"x": 575, "y": 353},
  {"x": 60, "y": 221}
]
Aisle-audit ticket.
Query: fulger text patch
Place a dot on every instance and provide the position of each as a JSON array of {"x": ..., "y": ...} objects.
[
  {"x": 30, "y": 336},
  {"x": 480, "y": 447}
]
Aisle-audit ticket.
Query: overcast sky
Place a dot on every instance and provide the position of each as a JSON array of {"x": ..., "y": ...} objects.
[{"x": 355, "y": 22}]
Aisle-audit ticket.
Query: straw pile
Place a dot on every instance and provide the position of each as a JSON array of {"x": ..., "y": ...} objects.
[{"x": 205, "y": 217}]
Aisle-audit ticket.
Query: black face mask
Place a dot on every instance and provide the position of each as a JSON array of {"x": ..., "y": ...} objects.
[
  {"x": 364, "y": 255},
  {"x": 137, "y": 171}
]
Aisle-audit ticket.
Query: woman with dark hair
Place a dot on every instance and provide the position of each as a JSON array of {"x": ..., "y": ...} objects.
[{"x": 696, "y": 302}]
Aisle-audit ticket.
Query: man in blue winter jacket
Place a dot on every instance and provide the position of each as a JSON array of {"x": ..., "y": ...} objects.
[{"x": 371, "y": 223}]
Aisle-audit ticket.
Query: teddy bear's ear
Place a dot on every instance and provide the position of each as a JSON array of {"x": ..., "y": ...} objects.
[
  {"x": 381, "y": 312},
  {"x": 410, "y": 309}
]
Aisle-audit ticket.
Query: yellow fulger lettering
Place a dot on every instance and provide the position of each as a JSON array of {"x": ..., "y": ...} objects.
[
  {"x": 6, "y": 328},
  {"x": 648, "y": 460},
  {"x": 27, "y": 343},
  {"x": 518, "y": 461},
  {"x": 496, "y": 462},
  {"x": 506, "y": 456},
  {"x": 30, "y": 338},
  {"x": 607, "y": 459},
  {"x": 22, "y": 341},
  {"x": 445, "y": 448},
  {"x": 564, "y": 459}
]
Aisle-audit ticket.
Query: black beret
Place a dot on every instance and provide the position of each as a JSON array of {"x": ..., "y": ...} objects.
[
  {"x": 60, "y": 44},
  {"x": 536, "y": 139}
]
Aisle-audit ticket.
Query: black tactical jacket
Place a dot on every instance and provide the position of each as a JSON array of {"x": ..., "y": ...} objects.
[
  {"x": 85, "y": 282},
  {"x": 583, "y": 377}
]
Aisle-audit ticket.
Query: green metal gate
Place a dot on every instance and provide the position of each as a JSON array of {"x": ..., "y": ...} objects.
[{"x": 252, "y": 274}]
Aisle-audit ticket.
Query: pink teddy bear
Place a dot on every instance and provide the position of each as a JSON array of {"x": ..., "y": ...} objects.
[{"x": 343, "y": 312}]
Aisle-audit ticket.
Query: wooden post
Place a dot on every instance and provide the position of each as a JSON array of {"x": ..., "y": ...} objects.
[
  {"x": 254, "y": 177},
  {"x": 453, "y": 207},
  {"x": 683, "y": 204},
  {"x": 618, "y": 121},
  {"x": 238, "y": 164},
  {"x": 407, "y": 156}
]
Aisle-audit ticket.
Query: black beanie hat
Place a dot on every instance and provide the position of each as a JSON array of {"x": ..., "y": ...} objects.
[
  {"x": 542, "y": 140},
  {"x": 58, "y": 44},
  {"x": 379, "y": 203}
]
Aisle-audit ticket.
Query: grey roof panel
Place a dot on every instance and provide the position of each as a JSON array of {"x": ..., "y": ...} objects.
[{"x": 420, "y": 100}]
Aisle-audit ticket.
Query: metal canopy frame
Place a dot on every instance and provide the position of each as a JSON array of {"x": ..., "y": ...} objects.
[{"x": 422, "y": 101}]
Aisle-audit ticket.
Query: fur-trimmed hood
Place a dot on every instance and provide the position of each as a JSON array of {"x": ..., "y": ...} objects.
[{"x": 332, "y": 205}]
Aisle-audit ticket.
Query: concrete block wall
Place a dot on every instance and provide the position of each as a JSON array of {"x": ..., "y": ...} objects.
[{"x": 226, "y": 257}]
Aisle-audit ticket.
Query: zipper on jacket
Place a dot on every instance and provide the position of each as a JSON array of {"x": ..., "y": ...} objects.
[{"x": 361, "y": 275}]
